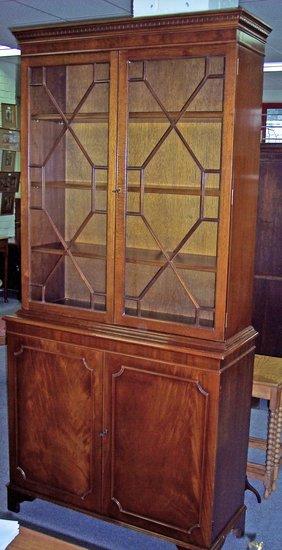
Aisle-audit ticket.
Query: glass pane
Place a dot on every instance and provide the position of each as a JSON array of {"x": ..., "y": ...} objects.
[
  {"x": 173, "y": 182},
  {"x": 69, "y": 182}
]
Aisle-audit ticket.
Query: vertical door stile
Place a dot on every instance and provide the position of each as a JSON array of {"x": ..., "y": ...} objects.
[
  {"x": 25, "y": 187},
  {"x": 112, "y": 182},
  {"x": 226, "y": 187},
  {"x": 120, "y": 195}
]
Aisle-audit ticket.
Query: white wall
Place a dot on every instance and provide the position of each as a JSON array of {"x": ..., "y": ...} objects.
[{"x": 160, "y": 7}]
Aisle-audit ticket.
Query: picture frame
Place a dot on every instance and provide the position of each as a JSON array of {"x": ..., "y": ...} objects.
[
  {"x": 9, "y": 115},
  {"x": 9, "y": 139},
  {"x": 8, "y": 161},
  {"x": 7, "y": 203},
  {"x": 9, "y": 182}
]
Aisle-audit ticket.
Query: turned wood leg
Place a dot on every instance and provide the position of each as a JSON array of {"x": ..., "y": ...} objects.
[
  {"x": 15, "y": 498},
  {"x": 277, "y": 451},
  {"x": 270, "y": 453}
]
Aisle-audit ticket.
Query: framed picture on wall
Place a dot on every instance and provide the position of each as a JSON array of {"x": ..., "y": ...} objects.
[
  {"x": 9, "y": 115},
  {"x": 8, "y": 161},
  {"x": 9, "y": 139},
  {"x": 9, "y": 182},
  {"x": 7, "y": 203}
]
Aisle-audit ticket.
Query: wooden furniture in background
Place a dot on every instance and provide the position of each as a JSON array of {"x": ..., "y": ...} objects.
[
  {"x": 4, "y": 251},
  {"x": 28, "y": 539},
  {"x": 267, "y": 307},
  {"x": 267, "y": 384},
  {"x": 130, "y": 363}
]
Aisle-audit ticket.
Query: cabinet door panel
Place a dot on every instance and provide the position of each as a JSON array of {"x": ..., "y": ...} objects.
[
  {"x": 173, "y": 120},
  {"x": 157, "y": 424},
  {"x": 57, "y": 419},
  {"x": 71, "y": 172}
]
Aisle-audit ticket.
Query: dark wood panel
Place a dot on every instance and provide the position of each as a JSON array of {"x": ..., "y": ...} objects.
[
  {"x": 267, "y": 304},
  {"x": 56, "y": 408},
  {"x": 233, "y": 432},
  {"x": 157, "y": 421},
  {"x": 267, "y": 316},
  {"x": 268, "y": 258}
]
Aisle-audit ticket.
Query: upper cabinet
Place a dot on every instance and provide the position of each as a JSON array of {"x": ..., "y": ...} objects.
[{"x": 140, "y": 171}]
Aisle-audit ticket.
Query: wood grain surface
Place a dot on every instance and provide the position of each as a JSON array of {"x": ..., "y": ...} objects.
[{"x": 29, "y": 539}]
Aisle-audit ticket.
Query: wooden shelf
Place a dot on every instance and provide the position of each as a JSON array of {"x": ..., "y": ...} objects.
[
  {"x": 174, "y": 190},
  {"x": 82, "y": 304},
  {"x": 149, "y": 188},
  {"x": 169, "y": 317},
  {"x": 80, "y": 117},
  {"x": 195, "y": 262},
  {"x": 188, "y": 116},
  {"x": 83, "y": 250},
  {"x": 139, "y": 116}
]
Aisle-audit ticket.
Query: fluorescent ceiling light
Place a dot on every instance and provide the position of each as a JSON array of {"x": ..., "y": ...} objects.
[
  {"x": 272, "y": 67},
  {"x": 7, "y": 52}
]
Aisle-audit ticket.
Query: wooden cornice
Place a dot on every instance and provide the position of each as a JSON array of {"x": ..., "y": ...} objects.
[{"x": 239, "y": 18}]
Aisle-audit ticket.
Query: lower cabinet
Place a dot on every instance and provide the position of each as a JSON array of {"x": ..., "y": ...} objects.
[
  {"x": 56, "y": 420},
  {"x": 129, "y": 438}
]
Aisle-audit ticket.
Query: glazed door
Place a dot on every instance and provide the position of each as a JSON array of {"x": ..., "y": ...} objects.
[
  {"x": 71, "y": 108},
  {"x": 171, "y": 174},
  {"x": 156, "y": 420},
  {"x": 55, "y": 420}
]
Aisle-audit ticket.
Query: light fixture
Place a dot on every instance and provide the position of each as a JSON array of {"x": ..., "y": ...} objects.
[
  {"x": 272, "y": 67},
  {"x": 5, "y": 51}
]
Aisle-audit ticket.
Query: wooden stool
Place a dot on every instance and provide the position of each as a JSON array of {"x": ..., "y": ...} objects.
[
  {"x": 29, "y": 539},
  {"x": 267, "y": 384}
]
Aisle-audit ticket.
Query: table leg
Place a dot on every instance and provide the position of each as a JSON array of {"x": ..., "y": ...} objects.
[
  {"x": 277, "y": 452},
  {"x": 270, "y": 453}
]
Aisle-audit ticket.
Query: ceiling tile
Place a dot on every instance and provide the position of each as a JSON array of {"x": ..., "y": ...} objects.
[
  {"x": 7, "y": 38},
  {"x": 14, "y": 14},
  {"x": 267, "y": 10},
  {"x": 84, "y": 9}
]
